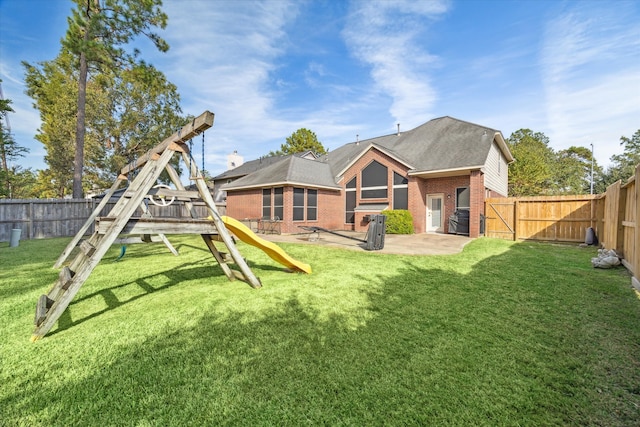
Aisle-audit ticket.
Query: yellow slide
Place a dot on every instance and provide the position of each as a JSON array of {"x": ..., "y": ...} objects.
[{"x": 245, "y": 234}]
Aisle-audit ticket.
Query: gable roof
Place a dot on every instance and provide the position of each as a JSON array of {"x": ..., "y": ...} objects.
[
  {"x": 428, "y": 148},
  {"x": 439, "y": 146},
  {"x": 291, "y": 170}
]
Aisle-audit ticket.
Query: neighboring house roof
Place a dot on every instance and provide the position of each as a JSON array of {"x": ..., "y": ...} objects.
[
  {"x": 255, "y": 165},
  {"x": 441, "y": 146},
  {"x": 291, "y": 170},
  {"x": 249, "y": 167}
]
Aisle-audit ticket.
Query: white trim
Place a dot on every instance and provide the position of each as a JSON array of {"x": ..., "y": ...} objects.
[
  {"x": 428, "y": 228},
  {"x": 450, "y": 170},
  {"x": 282, "y": 184},
  {"x": 503, "y": 147}
]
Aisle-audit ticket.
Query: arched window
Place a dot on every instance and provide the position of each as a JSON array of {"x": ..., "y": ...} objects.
[{"x": 374, "y": 181}]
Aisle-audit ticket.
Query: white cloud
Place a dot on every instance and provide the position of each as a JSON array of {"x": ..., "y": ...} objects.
[
  {"x": 386, "y": 35},
  {"x": 591, "y": 74}
]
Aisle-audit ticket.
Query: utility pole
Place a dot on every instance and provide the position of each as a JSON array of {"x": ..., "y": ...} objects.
[{"x": 591, "y": 168}]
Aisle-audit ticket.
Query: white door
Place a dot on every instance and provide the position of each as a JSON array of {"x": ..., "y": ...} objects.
[{"x": 434, "y": 213}]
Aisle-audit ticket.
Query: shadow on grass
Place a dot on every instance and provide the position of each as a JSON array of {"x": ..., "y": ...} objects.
[{"x": 495, "y": 346}]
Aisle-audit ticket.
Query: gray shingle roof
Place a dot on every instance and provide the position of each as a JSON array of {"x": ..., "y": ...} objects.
[
  {"x": 438, "y": 145},
  {"x": 291, "y": 170},
  {"x": 249, "y": 167}
]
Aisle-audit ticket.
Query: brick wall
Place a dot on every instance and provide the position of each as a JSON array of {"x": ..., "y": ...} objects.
[
  {"x": 356, "y": 169},
  {"x": 331, "y": 215},
  {"x": 247, "y": 204}
]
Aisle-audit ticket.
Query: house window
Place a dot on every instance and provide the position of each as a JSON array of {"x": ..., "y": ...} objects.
[
  {"x": 266, "y": 203},
  {"x": 298, "y": 204},
  {"x": 400, "y": 192},
  {"x": 374, "y": 181},
  {"x": 462, "y": 198},
  {"x": 278, "y": 203},
  {"x": 350, "y": 202},
  {"x": 312, "y": 205}
]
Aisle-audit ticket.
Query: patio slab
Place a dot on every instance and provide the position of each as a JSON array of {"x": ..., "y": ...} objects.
[{"x": 414, "y": 244}]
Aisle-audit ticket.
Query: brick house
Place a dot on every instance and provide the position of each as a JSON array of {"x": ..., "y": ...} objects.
[{"x": 443, "y": 166}]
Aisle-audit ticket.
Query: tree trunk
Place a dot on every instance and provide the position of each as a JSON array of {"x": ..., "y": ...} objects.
[{"x": 78, "y": 163}]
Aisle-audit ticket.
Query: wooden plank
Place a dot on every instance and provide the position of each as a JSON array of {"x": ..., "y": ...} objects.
[
  {"x": 182, "y": 195},
  {"x": 87, "y": 248},
  {"x": 65, "y": 277},
  {"x": 188, "y": 131},
  {"x": 159, "y": 226},
  {"x": 43, "y": 305}
]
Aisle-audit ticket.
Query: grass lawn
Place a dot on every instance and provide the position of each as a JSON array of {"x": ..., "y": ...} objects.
[{"x": 501, "y": 334}]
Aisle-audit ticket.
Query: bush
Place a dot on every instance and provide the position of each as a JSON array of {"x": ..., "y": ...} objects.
[{"x": 399, "y": 221}]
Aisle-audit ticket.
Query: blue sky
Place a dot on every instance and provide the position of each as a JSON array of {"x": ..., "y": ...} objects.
[{"x": 570, "y": 69}]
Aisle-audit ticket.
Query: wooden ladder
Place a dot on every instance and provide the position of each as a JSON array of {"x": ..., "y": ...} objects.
[{"x": 51, "y": 305}]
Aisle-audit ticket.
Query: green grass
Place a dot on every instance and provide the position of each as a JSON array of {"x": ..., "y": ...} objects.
[{"x": 501, "y": 334}]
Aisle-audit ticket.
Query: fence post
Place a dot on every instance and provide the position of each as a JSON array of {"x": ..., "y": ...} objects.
[
  {"x": 30, "y": 223},
  {"x": 516, "y": 219},
  {"x": 636, "y": 238}
]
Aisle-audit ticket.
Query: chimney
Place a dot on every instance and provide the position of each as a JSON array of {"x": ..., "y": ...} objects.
[
  {"x": 234, "y": 160},
  {"x": 398, "y": 134}
]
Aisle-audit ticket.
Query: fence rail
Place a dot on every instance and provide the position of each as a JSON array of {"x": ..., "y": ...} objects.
[
  {"x": 44, "y": 218},
  {"x": 554, "y": 218}
]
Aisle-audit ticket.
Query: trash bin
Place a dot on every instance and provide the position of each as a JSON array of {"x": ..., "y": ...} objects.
[{"x": 15, "y": 237}]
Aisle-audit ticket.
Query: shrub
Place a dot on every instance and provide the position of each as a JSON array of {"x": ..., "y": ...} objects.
[{"x": 399, "y": 221}]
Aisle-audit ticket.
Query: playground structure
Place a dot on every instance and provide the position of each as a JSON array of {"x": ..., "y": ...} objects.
[{"x": 143, "y": 185}]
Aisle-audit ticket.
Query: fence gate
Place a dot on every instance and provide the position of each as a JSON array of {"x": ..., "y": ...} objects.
[
  {"x": 544, "y": 218},
  {"x": 500, "y": 219}
]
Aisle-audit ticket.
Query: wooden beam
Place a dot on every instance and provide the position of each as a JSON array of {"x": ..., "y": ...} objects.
[
  {"x": 160, "y": 226},
  {"x": 201, "y": 123},
  {"x": 205, "y": 193},
  {"x": 181, "y": 195},
  {"x": 44, "y": 304}
]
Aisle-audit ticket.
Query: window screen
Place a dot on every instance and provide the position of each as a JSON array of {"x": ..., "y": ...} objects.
[
  {"x": 298, "y": 204},
  {"x": 374, "y": 181},
  {"x": 312, "y": 205},
  {"x": 350, "y": 202},
  {"x": 400, "y": 192},
  {"x": 266, "y": 203},
  {"x": 278, "y": 203},
  {"x": 463, "y": 198}
]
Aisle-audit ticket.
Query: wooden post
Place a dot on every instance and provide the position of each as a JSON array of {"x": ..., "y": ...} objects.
[
  {"x": 222, "y": 230},
  {"x": 636, "y": 260},
  {"x": 516, "y": 219}
]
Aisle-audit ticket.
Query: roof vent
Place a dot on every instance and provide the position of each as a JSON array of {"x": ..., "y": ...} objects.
[
  {"x": 358, "y": 139},
  {"x": 398, "y": 129}
]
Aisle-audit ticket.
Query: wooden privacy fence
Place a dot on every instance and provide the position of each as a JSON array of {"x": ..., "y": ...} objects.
[
  {"x": 566, "y": 219},
  {"x": 44, "y": 218},
  {"x": 619, "y": 220},
  {"x": 547, "y": 218}
]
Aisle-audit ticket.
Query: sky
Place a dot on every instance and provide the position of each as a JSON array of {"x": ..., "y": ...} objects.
[{"x": 352, "y": 70}]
